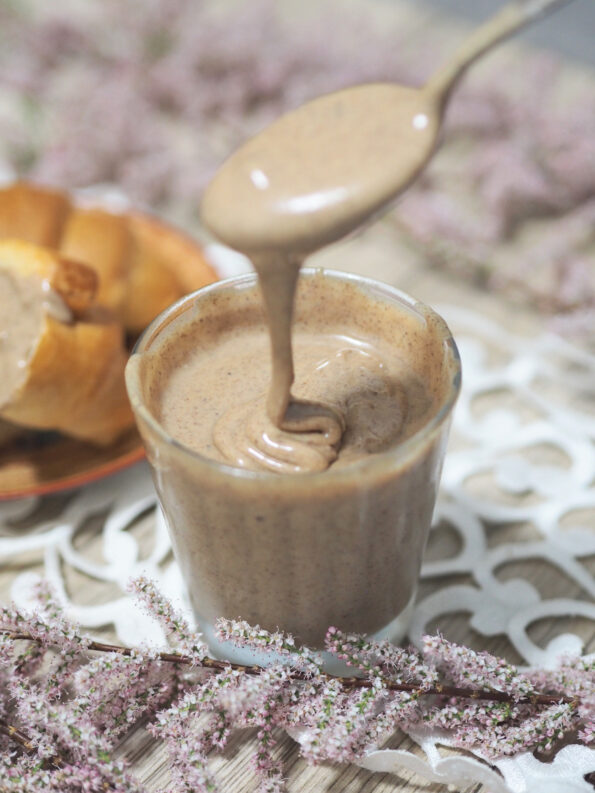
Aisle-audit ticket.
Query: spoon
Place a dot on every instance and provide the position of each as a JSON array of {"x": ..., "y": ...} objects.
[{"x": 322, "y": 170}]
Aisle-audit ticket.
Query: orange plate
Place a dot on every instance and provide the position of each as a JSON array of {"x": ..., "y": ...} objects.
[{"x": 34, "y": 464}]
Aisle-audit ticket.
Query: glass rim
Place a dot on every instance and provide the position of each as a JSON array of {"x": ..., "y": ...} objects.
[{"x": 396, "y": 455}]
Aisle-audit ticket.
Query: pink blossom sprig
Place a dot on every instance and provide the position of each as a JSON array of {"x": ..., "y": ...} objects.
[
  {"x": 62, "y": 737},
  {"x": 119, "y": 690},
  {"x": 187, "y": 744},
  {"x": 380, "y": 657},
  {"x": 497, "y": 737},
  {"x": 575, "y": 675},
  {"x": 47, "y": 625},
  {"x": 189, "y": 642},
  {"x": 241, "y": 633},
  {"x": 383, "y": 663},
  {"x": 482, "y": 670}
]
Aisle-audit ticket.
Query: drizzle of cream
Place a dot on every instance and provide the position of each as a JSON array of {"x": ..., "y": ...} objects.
[
  {"x": 246, "y": 437},
  {"x": 24, "y": 302},
  {"x": 365, "y": 410},
  {"x": 53, "y": 304}
]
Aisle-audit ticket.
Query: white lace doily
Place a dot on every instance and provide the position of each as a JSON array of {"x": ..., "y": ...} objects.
[{"x": 516, "y": 433}]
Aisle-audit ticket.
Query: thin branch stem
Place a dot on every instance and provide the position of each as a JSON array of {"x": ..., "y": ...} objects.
[
  {"x": 25, "y": 742},
  {"x": 348, "y": 682}
]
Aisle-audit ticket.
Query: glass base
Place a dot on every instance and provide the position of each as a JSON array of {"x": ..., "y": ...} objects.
[{"x": 394, "y": 632}]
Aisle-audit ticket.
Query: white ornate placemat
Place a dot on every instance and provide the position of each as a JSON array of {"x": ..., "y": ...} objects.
[{"x": 523, "y": 453}]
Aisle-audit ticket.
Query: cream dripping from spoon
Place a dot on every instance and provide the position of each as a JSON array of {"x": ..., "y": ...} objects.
[{"x": 322, "y": 171}]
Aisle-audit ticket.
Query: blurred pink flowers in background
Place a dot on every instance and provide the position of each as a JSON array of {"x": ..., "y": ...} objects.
[{"x": 151, "y": 96}]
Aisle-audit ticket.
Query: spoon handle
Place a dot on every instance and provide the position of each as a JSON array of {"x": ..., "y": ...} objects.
[{"x": 504, "y": 23}]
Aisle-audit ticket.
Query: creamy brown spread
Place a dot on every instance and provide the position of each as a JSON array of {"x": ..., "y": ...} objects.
[
  {"x": 24, "y": 302},
  {"x": 322, "y": 170},
  {"x": 305, "y": 551},
  {"x": 365, "y": 362}
]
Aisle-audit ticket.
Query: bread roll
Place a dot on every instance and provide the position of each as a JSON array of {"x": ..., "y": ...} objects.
[
  {"x": 103, "y": 241},
  {"x": 143, "y": 264},
  {"x": 62, "y": 323},
  {"x": 33, "y": 214},
  {"x": 61, "y": 359}
]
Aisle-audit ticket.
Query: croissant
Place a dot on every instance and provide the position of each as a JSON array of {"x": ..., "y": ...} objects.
[{"x": 61, "y": 357}]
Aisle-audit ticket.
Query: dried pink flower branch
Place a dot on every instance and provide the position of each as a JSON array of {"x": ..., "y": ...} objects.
[{"x": 67, "y": 729}]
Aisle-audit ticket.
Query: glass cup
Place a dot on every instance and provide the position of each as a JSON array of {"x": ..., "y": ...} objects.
[{"x": 300, "y": 552}]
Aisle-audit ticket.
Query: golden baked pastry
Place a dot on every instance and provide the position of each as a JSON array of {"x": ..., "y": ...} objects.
[
  {"x": 72, "y": 373},
  {"x": 164, "y": 267},
  {"x": 101, "y": 240},
  {"x": 61, "y": 358},
  {"x": 143, "y": 265},
  {"x": 33, "y": 214}
]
